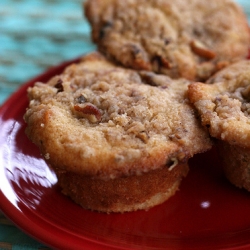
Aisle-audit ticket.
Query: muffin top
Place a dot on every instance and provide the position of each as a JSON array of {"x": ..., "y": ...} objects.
[
  {"x": 223, "y": 103},
  {"x": 102, "y": 120},
  {"x": 191, "y": 40}
]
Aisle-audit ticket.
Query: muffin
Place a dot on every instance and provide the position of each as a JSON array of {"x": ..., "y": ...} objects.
[
  {"x": 224, "y": 108},
  {"x": 191, "y": 40},
  {"x": 118, "y": 139}
]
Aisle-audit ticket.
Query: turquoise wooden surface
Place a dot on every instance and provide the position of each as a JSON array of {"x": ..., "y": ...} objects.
[{"x": 34, "y": 35}]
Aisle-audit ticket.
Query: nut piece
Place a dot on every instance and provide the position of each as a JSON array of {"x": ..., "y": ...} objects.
[
  {"x": 90, "y": 111},
  {"x": 143, "y": 135},
  {"x": 201, "y": 50},
  {"x": 59, "y": 85}
]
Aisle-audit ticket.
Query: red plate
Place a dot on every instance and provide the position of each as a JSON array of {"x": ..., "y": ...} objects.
[{"x": 207, "y": 213}]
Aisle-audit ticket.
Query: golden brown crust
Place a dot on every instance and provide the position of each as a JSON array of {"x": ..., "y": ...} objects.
[
  {"x": 123, "y": 194},
  {"x": 130, "y": 126},
  {"x": 118, "y": 139},
  {"x": 191, "y": 40}
]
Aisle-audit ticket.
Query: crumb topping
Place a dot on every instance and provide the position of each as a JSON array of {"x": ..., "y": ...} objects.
[
  {"x": 223, "y": 103},
  {"x": 110, "y": 113}
]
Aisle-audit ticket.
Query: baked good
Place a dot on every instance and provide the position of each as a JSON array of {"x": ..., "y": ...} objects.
[
  {"x": 224, "y": 108},
  {"x": 191, "y": 40},
  {"x": 118, "y": 140}
]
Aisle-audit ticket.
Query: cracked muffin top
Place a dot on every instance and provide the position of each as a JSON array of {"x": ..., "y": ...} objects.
[
  {"x": 191, "y": 40},
  {"x": 102, "y": 120},
  {"x": 224, "y": 103}
]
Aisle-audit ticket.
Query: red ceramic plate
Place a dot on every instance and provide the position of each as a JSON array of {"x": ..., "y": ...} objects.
[{"x": 207, "y": 213}]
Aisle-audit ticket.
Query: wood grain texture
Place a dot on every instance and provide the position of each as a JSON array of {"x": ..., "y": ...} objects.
[{"x": 36, "y": 35}]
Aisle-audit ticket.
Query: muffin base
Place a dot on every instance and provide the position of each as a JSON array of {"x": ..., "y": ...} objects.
[
  {"x": 236, "y": 164},
  {"x": 124, "y": 194}
]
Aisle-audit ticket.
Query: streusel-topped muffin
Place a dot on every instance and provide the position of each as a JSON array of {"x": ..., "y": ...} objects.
[
  {"x": 118, "y": 139},
  {"x": 190, "y": 39},
  {"x": 223, "y": 104}
]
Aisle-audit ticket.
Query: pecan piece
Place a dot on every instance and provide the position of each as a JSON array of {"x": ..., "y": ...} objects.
[
  {"x": 137, "y": 56},
  {"x": 90, "y": 111},
  {"x": 160, "y": 62},
  {"x": 201, "y": 50},
  {"x": 59, "y": 85},
  {"x": 154, "y": 79},
  {"x": 143, "y": 135}
]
